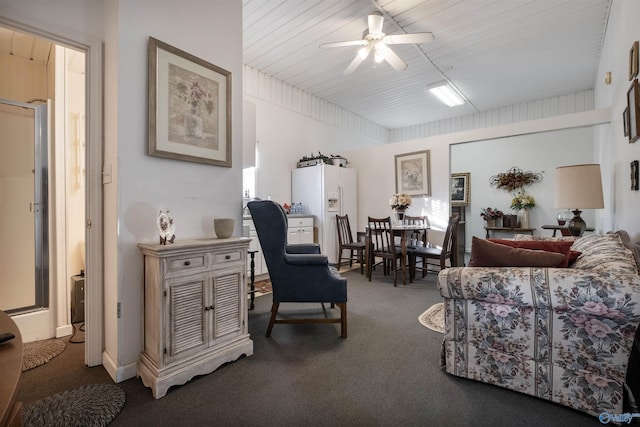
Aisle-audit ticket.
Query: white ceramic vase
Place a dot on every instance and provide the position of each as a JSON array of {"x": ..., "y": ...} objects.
[
  {"x": 223, "y": 227},
  {"x": 523, "y": 218}
]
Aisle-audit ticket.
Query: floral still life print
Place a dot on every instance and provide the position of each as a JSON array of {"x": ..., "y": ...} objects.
[{"x": 193, "y": 110}]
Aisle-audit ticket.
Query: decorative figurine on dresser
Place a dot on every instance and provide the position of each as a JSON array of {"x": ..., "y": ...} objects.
[{"x": 195, "y": 309}]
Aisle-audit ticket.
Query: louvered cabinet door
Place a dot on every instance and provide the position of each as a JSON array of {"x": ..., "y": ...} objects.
[
  {"x": 227, "y": 313},
  {"x": 187, "y": 313}
]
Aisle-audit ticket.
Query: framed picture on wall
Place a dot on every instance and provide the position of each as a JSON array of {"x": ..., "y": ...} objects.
[
  {"x": 189, "y": 107},
  {"x": 625, "y": 121},
  {"x": 460, "y": 186},
  {"x": 633, "y": 60},
  {"x": 633, "y": 104},
  {"x": 413, "y": 174},
  {"x": 635, "y": 182}
]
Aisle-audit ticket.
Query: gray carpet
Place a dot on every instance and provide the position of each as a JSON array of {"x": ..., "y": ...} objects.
[
  {"x": 38, "y": 353},
  {"x": 386, "y": 373},
  {"x": 93, "y": 405}
]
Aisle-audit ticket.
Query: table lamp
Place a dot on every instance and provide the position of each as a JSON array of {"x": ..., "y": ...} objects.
[{"x": 578, "y": 187}]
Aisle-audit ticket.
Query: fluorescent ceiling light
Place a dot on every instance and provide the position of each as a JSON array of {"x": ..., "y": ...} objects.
[{"x": 447, "y": 94}]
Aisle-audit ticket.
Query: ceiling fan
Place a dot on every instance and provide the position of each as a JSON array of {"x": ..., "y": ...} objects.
[{"x": 373, "y": 39}]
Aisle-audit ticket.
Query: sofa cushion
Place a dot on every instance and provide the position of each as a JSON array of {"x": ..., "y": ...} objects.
[
  {"x": 488, "y": 254},
  {"x": 558, "y": 246},
  {"x": 604, "y": 252}
]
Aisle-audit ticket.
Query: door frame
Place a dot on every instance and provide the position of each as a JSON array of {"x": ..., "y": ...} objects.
[{"x": 94, "y": 315}]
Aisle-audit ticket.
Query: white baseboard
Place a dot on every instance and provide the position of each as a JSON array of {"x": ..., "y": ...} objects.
[
  {"x": 118, "y": 374},
  {"x": 63, "y": 331}
]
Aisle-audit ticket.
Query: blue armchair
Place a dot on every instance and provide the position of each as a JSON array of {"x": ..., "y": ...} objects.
[{"x": 298, "y": 273}]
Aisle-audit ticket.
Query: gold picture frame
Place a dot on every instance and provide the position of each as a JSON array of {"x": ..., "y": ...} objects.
[
  {"x": 189, "y": 107},
  {"x": 633, "y": 61},
  {"x": 460, "y": 188},
  {"x": 413, "y": 173}
]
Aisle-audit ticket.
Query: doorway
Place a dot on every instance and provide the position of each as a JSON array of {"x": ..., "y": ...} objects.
[{"x": 67, "y": 165}]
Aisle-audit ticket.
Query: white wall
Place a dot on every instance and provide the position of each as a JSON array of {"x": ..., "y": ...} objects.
[
  {"x": 284, "y": 136},
  {"x": 612, "y": 147},
  {"x": 539, "y": 152},
  {"x": 194, "y": 193}
]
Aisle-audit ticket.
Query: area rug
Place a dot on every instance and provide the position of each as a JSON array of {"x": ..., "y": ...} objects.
[
  {"x": 90, "y": 405},
  {"x": 40, "y": 352},
  {"x": 263, "y": 287},
  {"x": 433, "y": 318}
]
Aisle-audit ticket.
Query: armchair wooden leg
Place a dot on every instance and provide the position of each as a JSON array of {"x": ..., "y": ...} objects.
[
  {"x": 343, "y": 319},
  {"x": 274, "y": 313}
]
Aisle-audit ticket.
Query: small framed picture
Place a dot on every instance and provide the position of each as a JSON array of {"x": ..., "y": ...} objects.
[
  {"x": 633, "y": 104},
  {"x": 635, "y": 183},
  {"x": 625, "y": 121},
  {"x": 412, "y": 173},
  {"x": 633, "y": 61},
  {"x": 460, "y": 189}
]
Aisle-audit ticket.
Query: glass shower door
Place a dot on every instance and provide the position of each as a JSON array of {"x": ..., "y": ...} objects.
[{"x": 23, "y": 207}]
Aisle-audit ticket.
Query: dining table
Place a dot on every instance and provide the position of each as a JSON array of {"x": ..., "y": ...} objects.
[{"x": 404, "y": 231}]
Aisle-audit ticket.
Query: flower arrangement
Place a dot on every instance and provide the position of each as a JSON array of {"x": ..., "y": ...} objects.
[
  {"x": 515, "y": 179},
  {"x": 400, "y": 201},
  {"x": 491, "y": 213},
  {"x": 522, "y": 200},
  {"x": 195, "y": 95}
]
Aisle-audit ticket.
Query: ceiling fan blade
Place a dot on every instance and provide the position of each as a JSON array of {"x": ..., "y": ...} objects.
[
  {"x": 408, "y": 38},
  {"x": 361, "y": 56},
  {"x": 391, "y": 57},
  {"x": 341, "y": 44},
  {"x": 375, "y": 22}
]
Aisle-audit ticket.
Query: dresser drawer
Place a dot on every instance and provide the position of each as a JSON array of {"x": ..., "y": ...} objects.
[
  {"x": 300, "y": 222},
  {"x": 220, "y": 258},
  {"x": 186, "y": 263}
]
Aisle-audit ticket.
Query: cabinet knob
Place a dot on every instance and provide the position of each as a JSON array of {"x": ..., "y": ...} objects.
[
  {"x": 227, "y": 257},
  {"x": 187, "y": 263},
  {"x": 208, "y": 308}
]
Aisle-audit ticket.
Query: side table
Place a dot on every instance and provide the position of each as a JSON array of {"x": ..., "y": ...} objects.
[{"x": 509, "y": 230}]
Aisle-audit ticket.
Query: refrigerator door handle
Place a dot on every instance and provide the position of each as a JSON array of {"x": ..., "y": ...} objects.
[{"x": 341, "y": 195}]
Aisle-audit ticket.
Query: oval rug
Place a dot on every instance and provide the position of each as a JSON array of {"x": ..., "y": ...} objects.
[
  {"x": 433, "y": 318},
  {"x": 40, "y": 352},
  {"x": 90, "y": 405}
]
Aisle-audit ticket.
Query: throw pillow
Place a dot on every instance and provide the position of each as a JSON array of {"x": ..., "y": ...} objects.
[
  {"x": 488, "y": 254},
  {"x": 558, "y": 246}
]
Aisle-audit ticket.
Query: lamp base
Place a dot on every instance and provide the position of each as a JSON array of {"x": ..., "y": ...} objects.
[{"x": 577, "y": 225}]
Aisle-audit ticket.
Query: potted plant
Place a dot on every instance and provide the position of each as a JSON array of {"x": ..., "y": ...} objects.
[{"x": 491, "y": 215}]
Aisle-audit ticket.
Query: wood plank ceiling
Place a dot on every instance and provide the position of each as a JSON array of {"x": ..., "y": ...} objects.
[{"x": 496, "y": 52}]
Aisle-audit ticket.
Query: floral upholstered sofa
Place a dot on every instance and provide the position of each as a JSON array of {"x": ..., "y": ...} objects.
[{"x": 562, "y": 334}]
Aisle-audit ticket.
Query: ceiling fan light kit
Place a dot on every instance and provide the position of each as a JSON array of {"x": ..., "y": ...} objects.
[
  {"x": 447, "y": 94},
  {"x": 374, "y": 39}
]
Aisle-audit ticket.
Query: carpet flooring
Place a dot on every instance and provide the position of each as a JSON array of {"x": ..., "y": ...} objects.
[{"x": 386, "y": 373}]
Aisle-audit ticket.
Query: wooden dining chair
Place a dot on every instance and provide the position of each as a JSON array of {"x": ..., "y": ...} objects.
[
  {"x": 440, "y": 255},
  {"x": 417, "y": 238},
  {"x": 382, "y": 245},
  {"x": 346, "y": 243}
]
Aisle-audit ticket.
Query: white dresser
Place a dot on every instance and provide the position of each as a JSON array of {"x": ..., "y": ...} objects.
[{"x": 195, "y": 309}]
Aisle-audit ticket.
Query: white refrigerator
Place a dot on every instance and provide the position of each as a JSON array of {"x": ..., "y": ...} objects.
[{"x": 326, "y": 191}]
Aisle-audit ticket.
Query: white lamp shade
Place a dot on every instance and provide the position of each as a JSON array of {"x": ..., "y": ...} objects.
[{"x": 579, "y": 187}]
